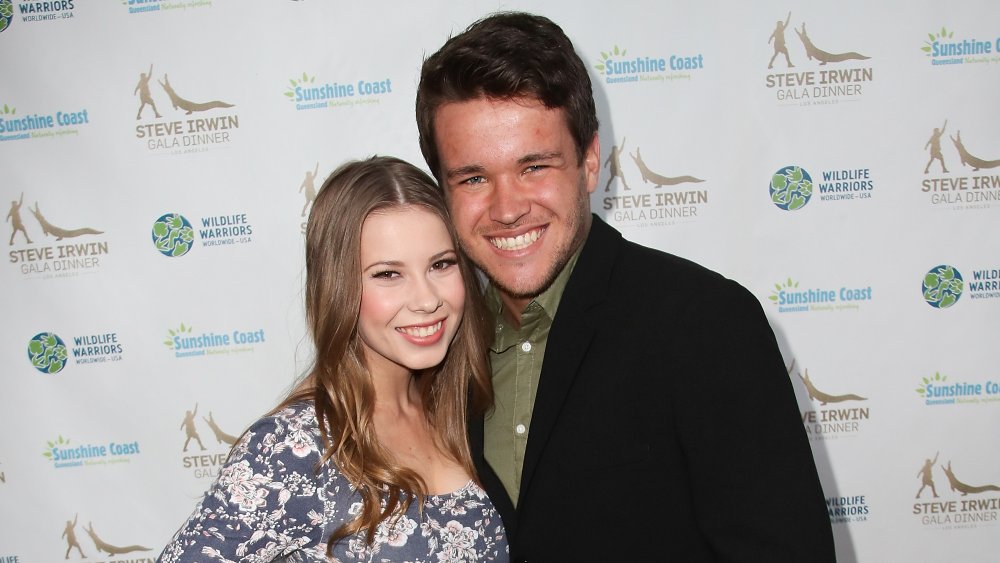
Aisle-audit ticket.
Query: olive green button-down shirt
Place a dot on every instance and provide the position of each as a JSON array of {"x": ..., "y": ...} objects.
[{"x": 516, "y": 359}]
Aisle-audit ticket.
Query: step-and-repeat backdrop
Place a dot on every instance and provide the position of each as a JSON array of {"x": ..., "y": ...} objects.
[{"x": 840, "y": 160}]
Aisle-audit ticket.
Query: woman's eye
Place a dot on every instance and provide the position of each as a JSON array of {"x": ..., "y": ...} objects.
[
  {"x": 444, "y": 264},
  {"x": 386, "y": 275}
]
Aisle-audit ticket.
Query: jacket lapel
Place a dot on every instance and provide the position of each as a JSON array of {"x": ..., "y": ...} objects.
[{"x": 572, "y": 331}]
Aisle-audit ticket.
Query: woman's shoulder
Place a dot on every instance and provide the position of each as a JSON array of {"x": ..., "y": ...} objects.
[{"x": 291, "y": 431}]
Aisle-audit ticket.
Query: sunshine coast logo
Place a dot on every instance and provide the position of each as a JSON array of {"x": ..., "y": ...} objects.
[
  {"x": 206, "y": 463},
  {"x": 59, "y": 260},
  {"x": 659, "y": 201},
  {"x": 186, "y": 135},
  {"x": 847, "y": 509},
  {"x": 63, "y": 454},
  {"x": 837, "y": 415},
  {"x": 40, "y": 126},
  {"x": 814, "y": 87},
  {"x": 306, "y": 93},
  {"x": 790, "y": 298},
  {"x": 938, "y": 390},
  {"x": 942, "y": 48},
  {"x": 975, "y": 505},
  {"x": 955, "y": 189},
  {"x": 147, "y": 6},
  {"x": 617, "y": 66},
  {"x": 185, "y": 343}
]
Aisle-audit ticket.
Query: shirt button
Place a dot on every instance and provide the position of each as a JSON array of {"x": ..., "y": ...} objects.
[
  {"x": 520, "y": 429},
  {"x": 526, "y": 346}
]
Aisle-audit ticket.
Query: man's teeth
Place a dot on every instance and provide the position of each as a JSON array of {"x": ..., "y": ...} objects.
[
  {"x": 518, "y": 242},
  {"x": 422, "y": 331}
]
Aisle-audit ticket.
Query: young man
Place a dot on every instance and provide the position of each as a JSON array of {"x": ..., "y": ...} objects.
[{"x": 643, "y": 411}]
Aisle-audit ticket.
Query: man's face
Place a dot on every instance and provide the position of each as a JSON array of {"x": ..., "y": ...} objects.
[{"x": 518, "y": 195}]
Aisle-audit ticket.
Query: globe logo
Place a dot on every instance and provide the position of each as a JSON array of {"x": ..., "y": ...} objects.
[
  {"x": 47, "y": 352},
  {"x": 942, "y": 286},
  {"x": 6, "y": 13},
  {"x": 791, "y": 187},
  {"x": 173, "y": 235}
]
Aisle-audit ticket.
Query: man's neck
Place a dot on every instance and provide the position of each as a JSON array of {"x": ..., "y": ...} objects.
[{"x": 513, "y": 307}]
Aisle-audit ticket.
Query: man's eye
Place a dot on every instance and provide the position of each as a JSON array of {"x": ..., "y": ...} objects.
[
  {"x": 474, "y": 180},
  {"x": 535, "y": 168}
]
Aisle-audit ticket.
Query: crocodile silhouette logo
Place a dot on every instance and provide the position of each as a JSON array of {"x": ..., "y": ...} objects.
[
  {"x": 188, "y": 106},
  {"x": 60, "y": 233},
  {"x": 648, "y": 176},
  {"x": 961, "y": 487},
  {"x": 814, "y": 52},
  {"x": 969, "y": 160},
  {"x": 824, "y": 398},
  {"x": 220, "y": 436},
  {"x": 108, "y": 548}
]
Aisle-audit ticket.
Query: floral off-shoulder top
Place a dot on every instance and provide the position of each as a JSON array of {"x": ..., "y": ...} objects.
[{"x": 269, "y": 503}]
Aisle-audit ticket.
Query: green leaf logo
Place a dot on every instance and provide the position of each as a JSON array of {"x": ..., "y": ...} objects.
[
  {"x": 606, "y": 56},
  {"x": 181, "y": 331},
  {"x": 925, "y": 381},
  {"x": 296, "y": 82},
  {"x": 52, "y": 444},
  {"x": 779, "y": 287},
  {"x": 932, "y": 38}
]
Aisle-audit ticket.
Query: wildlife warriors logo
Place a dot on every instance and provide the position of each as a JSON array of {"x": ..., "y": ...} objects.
[
  {"x": 973, "y": 191},
  {"x": 204, "y": 465},
  {"x": 660, "y": 208},
  {"x": 813, "y": 87},
  {"x": 828, "y": 423},
  {"x": 189, "y": 134},
  {"x": 72, "y": 543},
  {"x": 47, "y": 352},
  {"x": 791, "y": 188},
  {"x": 942, "y": 286},
  {"x": 966, "y": 504},
  {"x": 173, "y": 235},
  {"x": 6, "y": 14}
]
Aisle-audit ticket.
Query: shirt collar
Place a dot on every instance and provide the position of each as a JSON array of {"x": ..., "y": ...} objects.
[{"x": 547, "y": 301}]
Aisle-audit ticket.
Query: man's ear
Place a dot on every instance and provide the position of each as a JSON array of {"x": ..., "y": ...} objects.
[{"x": 592, "y": 163}]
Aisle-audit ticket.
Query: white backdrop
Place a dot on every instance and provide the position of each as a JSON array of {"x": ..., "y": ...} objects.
[{"x": 126, "y": 372}]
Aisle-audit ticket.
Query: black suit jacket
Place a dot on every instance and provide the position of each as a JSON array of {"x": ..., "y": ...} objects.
[{"x": 665, "y": 427}]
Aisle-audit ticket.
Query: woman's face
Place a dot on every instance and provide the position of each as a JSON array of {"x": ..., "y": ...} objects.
[{"x": 412, "y": 294}]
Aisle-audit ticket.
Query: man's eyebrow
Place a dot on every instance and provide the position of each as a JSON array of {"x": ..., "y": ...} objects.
[
  {"x": 539, "y": 156},
  {"x": 467, "y": 170}
]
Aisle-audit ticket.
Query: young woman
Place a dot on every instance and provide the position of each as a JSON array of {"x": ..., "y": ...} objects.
[{"x": 367, "y": 459}]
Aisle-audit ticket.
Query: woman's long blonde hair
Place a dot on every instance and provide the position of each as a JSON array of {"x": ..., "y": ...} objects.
[{"x": 339, "y": 382}]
